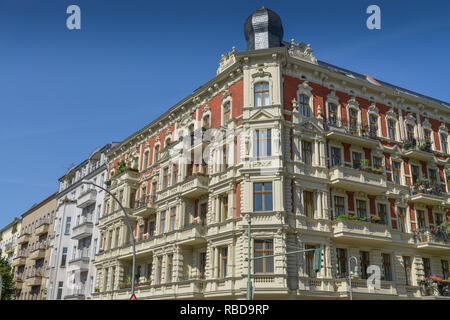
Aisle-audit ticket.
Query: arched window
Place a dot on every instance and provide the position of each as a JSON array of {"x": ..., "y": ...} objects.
[
  {"x": 206, "y": 123},
  {"x": 303, "y": 103},
  {"x": 226, "y": 113},
  {"x": 261, "y": 94}
]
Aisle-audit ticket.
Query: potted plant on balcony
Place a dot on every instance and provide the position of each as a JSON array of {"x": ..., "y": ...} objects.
[{"x": 375, "y": 219}]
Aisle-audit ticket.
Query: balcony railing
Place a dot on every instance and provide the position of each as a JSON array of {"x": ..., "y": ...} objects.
[
  {"x": 354, "y": 128},
  {"x": 426, "y": 235}
]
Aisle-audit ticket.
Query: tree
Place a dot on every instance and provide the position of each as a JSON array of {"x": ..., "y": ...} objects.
[{"x": 7, "y": 273}]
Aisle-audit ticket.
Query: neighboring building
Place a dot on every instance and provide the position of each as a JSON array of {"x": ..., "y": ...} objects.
[
  {"x": 32, "y": 255},
  {"x": 8, "y": 239},
  {"x": 75, "y": 238},
  {"x": 313, "y": 148}
]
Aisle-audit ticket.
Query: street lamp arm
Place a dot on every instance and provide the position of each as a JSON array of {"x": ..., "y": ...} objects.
[{"x": 129, "y": 227}]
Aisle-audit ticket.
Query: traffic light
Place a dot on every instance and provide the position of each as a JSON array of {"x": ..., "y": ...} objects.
[{"x": 317, "y": 260}]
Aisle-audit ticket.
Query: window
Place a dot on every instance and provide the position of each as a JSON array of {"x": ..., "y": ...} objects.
[
  {"x": 223, "y": 262},
  {"x": 68, "y": 220},
  {"x": 303, "y": 103},
  {"x": 225, "y": 156},
  {"x": 410, "y": 132},
  {"x": 444, "y": 265},
  {"x": 146, "y": 156},
  {"x": 307, "y": 152},
  {"x": 262, "y": 196},
  {"x": 373, "y": 125},
  {"x": 203, "y": 213},
  {"x": 426, "y": 267},
  {"x": 117, "y": 237},
  {"x": 339, "y": 205},
  {"x": 365, "y": 263},
  {"x": 263, "y": 143},
  {"x": 361, "y": 209},
  {"x": 149, "y": 271},
  {"x": 356, "y": 158},
  {"x": 402, "y": 219},
  {"x": 427, "y": 136},
  {"x": 169, "y": 267},
  {"x": 432, "y": 176},
  {"x": 60, "y": 289},
  {"x": 407, "y": 268},
  {"x": 421, "y": 219},
  {"x": 438, "y": 218},
  {"x": 353, "y": 123},
  {"x": 173, "y": 215},
  {"x": 64, "y": 257},
  {"x": 206, "y": 123},
  {"x": 382, "y": 213},
  {"x": 308, "y": 203},
  {"x": 264, "y": 248},
  {"x": 224, "y": 204},
  {"x": 377, "y": 163},
  {"x": 261, "y": 94},
  {"x": 156, "y": 155},
  {"x": 335, "y": 156},
  {"x": 415, "y": 173},
  {"x": 226, "y": 113},
  {"x": 396, "y": 172},
  {"x": 444, "y": 143},
  {"x": 309, "y": 258},
  {"x": 162, "y": 222},
  {"x": 159, "y": 270},
  {"x": 341, "y": 263},
  {"x": 387, "y": 274},
  {"x": 151, "y": 228},
  {"x": 391, "y": 129},
  {"x": 202, "y": 265},
  {"x": 332, "y": 114},
  {"x": 165, "y": 177}
]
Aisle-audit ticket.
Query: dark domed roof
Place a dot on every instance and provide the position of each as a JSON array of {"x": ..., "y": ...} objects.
[{"x": 263, "y": 29}]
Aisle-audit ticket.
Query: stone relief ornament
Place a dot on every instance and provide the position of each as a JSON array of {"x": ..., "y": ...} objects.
[
  {"x": 302, "y": 51},
  {"x": 261, "y": 74}
]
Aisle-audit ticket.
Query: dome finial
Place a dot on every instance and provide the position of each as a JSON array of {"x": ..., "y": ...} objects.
[{"x": 263, "y": 29}]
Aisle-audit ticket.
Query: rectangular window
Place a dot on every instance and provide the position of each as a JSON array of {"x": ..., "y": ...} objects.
[
  {"x": 361, "y": 208},
  {"x": 309, "y": 258},
  {"x": 427, "y": 136},
  {"x": 335, "y": 156},
  {"x": 432, "y": 176},
  {"x": 64, "y": 257},
  {"x": 332, "y": 114},
  {"x": 444, "y": 265},
  {"x": 382, "y": 213},
  {"x": 373, "y": 125},
  {"x": 151, "y": 228},
  {"x": 263, "y": 143},
  {"x": 303, "y": 103},
  {"x": 339, "y": 205},
  {"x": 391, "y": 129},
  {"x": 365, "y": 263},
  {"x": 402, "y": 219},
  {"x": 263, "y": 248},
  {"x": 261, "y": 90},
  {"x": 410, "y": 132},
  {"x": 415, "y": 173},
  {"x": 149, "y": 270},
  {"x": 377, "y": 163},
  {"x": 223, "y": 262},
  {"x": 174, "y": 173},
  {"x": 356, "y": 159},
  {"x": 426, "y": 267},
  {"x": 387, "y": 272},
  {"x": 341, "y": 262},
  {"x": 173, "y": 215},
  {"x": 169, "y": 267},
  {"x": 203, "y": 213},
  {"x": 226, "y": 113},
  {"x": 165, "y": 178},
  {"x": 353, "y": 115},
  {"x": 159, "y": 270},
  {"x": 60, "y": 289},
  {"x": 444, "y": 143},
  {"x": 224, "y": 203},
  {"x": 68, "y": 221},
  {"x": 308, "y": 203},
  {"x": 407, "y": 268},
  {"x": 396, "y": 172},
  {"x": 307, "y": 152},
  {"x": 262, "y": 196},
  {"x": 203, "y": 265},
  {"x": 421, "y": 219},
  {"x": 162, "y": 222}
]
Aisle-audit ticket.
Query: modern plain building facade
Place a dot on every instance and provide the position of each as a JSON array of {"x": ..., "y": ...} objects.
[
  {"x": 312, "y": 154},
  {"x": 8, "y": 239},
  {"x": 75, "y": 239},
  {"x": 33, "y": 251}
]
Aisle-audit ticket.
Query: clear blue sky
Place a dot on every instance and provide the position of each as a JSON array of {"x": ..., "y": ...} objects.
[{"x": 64, "y": 93}]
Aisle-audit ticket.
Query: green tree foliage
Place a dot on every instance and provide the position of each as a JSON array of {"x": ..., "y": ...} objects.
[{"x": 7, "y": 279}]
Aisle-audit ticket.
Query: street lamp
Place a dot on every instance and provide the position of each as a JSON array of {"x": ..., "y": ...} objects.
[
  {"x": 131, "y": 232},
  {"x": 355, "y": 273}
]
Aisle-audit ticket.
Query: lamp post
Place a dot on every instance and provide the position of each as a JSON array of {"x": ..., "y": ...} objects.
[
  {"x": 355, "y": 273},
  {"x": 131, "y": 232}
]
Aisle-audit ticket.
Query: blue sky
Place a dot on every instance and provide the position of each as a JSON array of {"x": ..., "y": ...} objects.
[{"x": 63, "y": 93}]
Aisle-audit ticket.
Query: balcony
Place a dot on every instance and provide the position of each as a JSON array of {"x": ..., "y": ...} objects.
[
  {"x": 87, "y": 198},
  {"x": 433, "y": 241},
  {"x": 357, "y": 180},
  {"x": 194, "y": 186},
  {"x": 353, "y": 231},
  {"x": 424, "y": 193},
  {"x": 414, "y": 151},
  {"x": 20, "y": 259},
  {"x": 193, "y": 234},
  {"x": 145, "y": 206},
  {"x": 24, "y": 238},
  {"x": 81, "y": 262},
  {"x": 38, "y": 252},
  {"x": 9, "y": 247},
  {"x": 42, "y": 227},
  {"x": 35, "y": 277},
  {"x": 83, "y": 230},
  {"x": 76, "y": 293},
  {"x": 355, "y": 134}
]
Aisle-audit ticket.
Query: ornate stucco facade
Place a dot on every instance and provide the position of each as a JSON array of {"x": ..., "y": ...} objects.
[
  {"x": 8, "y": 239},
  {"x": 313, "y": 155}
]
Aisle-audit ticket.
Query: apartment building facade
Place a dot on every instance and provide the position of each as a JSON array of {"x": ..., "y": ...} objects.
[
  {"x": 33, "y": 252},
  {"x": 74, "y": 242},
  {"x": 311, "y": 154},
  {"x": 8, "y": 239}
]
